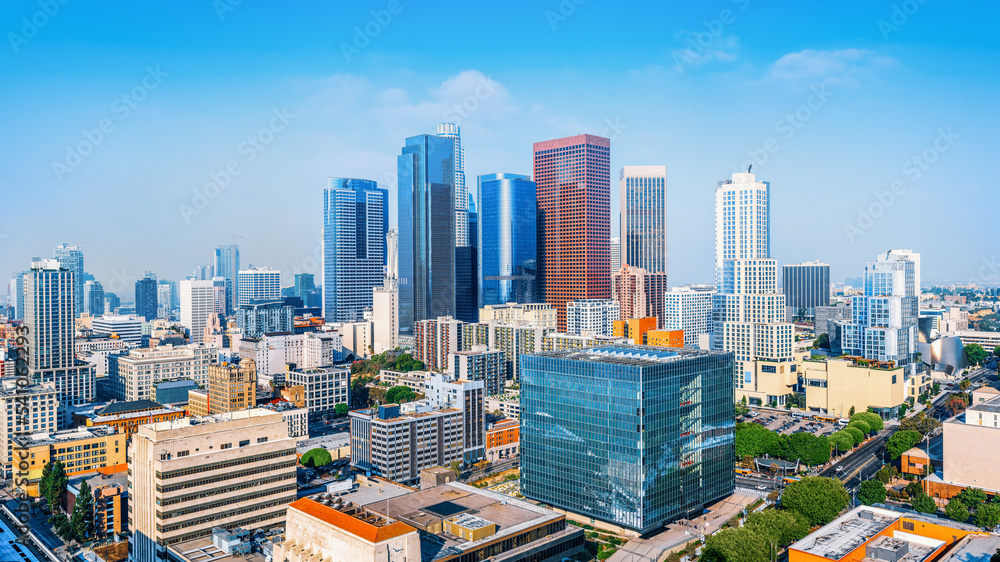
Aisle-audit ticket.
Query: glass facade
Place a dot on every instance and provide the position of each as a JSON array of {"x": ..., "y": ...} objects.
[
  {"x": 227, "y": 264},
  {"x": 509, "y": 231},
  {"x": 644, "y": 217},
  {"x": 426, "y": 207},
  {"x": 806, "y": 286},
  {"x": 355, "y": 222},
  {"x": 631, "y": 435}
]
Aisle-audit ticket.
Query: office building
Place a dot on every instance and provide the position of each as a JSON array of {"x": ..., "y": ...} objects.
[
  {"x": 473, "y": 225},
  {"x": 514, "y": 338},
  {"x": 467, "y": 396},
  {"x": 257, "y": 284},
  {"x": 232, "y": 387},
  {"x": 592, "y": 317},
  {"x": 264, "y": 316},
  {"x": 227, "y": 265},
  {"x": 166, "y": 292},
  {"x": 111, "y": 303},
  {"x": 748, "y": 310},
  {"x": 434, "y": 438},
  {"x": 453, "y": 132},
  {"x": 125, "y": 417},
  {"x": 503, "y": 440},
  {"x": 125, "y": 328},
  {"x": 644, "y": 217},
  {"x": 385, "y": 318},
  {"x": 323, "y": 387},
  {"x": 426, "y": 171},
  {"x": 304, "y": 283},
  {"x": 884, "y": 320},
  {"x": 509, "y": 228},
  {"x": 274, "y": 351},
  {"x": 146, "y": 295},
  {"x": 646, "y": 432},
  {"x": 689, "y": 308},
  {"x": 246, "y": 459},
  {"x": 639, "y": 293},
  {"x": 806, "y": 286},
  {"x": 297, "y": 418},
  {"x": 197, "y": 300},
  {"x": 355, "y": 224},
  {"x": 481, "y": 364},
  {"x": 616, "y": 254},
  {"x": 573, "y": 179},
  {"x": 81, "y": 450},
  {"x": 70, "y": 258},
  {"x": 826, "y": 317},
  {"x": 49, "y": 313},
  {"x": 536, "y": 314},
  {"x": 133, "y": 376},
  {"x": 635, "y": 329},
  {"x": 42, "y": 401},
  {"x": 665, "y": 338},
  {"x": 93, "y": 298},
  {"x": 467, "y": 284},
  {"x": 435, "y": 339}
]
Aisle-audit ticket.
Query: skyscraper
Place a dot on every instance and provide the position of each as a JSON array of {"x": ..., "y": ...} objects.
[
  {"x": 146, "y": 297},
  {"x": 616, "y": 254},
  {"x": 227, "y": 264},
  {"x": 632, "y": 435},
  {"x": 509, "y": 245},
  {"x": 17, "y": 285},
  {"x": 355, "y": 224},
  {"x": 644, "y": 217},
  {"x": 93, "y": 298},
  {"x": 392, "y": 255},
  {"x": 197, "y": 304},
  {"x": 806, "y": 286},
  {"x": 165, "y": 295},
  {"x": 426, "y": 172},
  {"x": 454, "y": 132},
  {"x": 304, "y": 282},
  {"x": 748, "y": 311},
  {"x": 639, "y": 292},
  {"x": 573, "y": 178},
  {"x": 71, "y": 258},
  {"x": 111, "y": 303},
  {"x": 884, "y": 323},
  {"x": 49, "y": 313},
  {"x": 467, "y": 284},
  {"x": 258, "y": 283}
]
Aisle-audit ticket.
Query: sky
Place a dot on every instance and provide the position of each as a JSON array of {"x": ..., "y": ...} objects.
[{"x": 150, "y": 132}]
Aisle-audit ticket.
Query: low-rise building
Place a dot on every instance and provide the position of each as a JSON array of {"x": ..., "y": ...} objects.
[
  {"x": 535, "y": 314},
  {"x": 503, "y": 440},
  {"x": 174, "y": 393},
  {"x": 297, "y": 418},
  {"x": 555, "y": 341},
  {"x": 915, "y": 461},
  {"x": 132, "y": 376},
  {"x": 127, "y": 328},
  {"x": 835, "y": 386},
  {"x": 666, "y": 338},
  {"x": 971, "y": 451},
  {"x": 323, "y": 388},
  {"x": 81, "y": 450},
  {"x": 125, "y": 417},
  {"x": 110, "y": 492},
  {"x": 414, "y": 380},
  {"x": 508, "y": 404}
]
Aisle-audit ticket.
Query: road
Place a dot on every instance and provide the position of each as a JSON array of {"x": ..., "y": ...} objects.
[
  {"x": 495, "y": 468},
  {"x": 862, "y": 463}
]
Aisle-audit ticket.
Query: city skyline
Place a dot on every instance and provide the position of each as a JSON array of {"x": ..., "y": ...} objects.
[{"x": 855, "y": 78}]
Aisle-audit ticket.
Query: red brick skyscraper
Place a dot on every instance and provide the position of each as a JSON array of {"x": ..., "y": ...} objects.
[{"x": 573, "y": 178}]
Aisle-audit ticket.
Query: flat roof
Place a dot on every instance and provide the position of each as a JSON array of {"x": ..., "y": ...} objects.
[
  {"x": 334, "y": 441},
  {"x": 841, "y": 536},
  {"x": 992, "y": 406},
  {"x": 372, "y": 490},
  {"x": 973, "y": 548},
  {"x": 202, "y": 550},
  {"x": 636, "y": 355}
]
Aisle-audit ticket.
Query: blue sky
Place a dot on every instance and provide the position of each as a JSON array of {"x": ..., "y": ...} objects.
[{"x": 833, "y": 101}]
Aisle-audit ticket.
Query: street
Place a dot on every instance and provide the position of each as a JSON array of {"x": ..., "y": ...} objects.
[{"x": 862, "y": 463}]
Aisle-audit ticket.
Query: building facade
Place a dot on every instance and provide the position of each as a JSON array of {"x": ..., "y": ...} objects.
[
  {"x": 257, "y": 284},
  {"x": 639, "y": 293},
  {"x": 644, "y": 218},
  {"x": 689, "y": 308},
  {"x": 508, "y": 239},
  {"x": 147, "y": 297},
  {"x": 70, "y": 258},
  {"x": 133, "y": 376},
  {"x": 81, "y": 450},
  {"x": 435, "y": 340},
  {"x": 264, "y": 316},
  {"x": 536, "y": 314},
  {"x": 644, "y": 437},
  {"x": 227, "y": 265},
  {"x": 42, "y": 401},
  {"x": 592, "y": 317},
  {"x": 197, "y": 303},
  {"x": 481, "y": 364},
  {"x": 806, "y": 286},
  {"x": 573, "y": 188},
  {"x": 453, "y": 132},
  {"x": 323, "y": 388},
  {"x": 125, "y": 328},
  {"x": 93, "y": 298}
]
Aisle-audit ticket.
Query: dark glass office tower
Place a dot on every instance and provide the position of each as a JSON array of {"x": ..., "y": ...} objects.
[
  {"x": 227, "y": 264},
  {"x": 636, "y": 436},
  {"x": 426, "y": 207},
  {"x": 466, "y": 284},
  {"x": 146, "y": 297},
  {"x": 509, "y": 248},
  {"x": 806, "y": 285}
]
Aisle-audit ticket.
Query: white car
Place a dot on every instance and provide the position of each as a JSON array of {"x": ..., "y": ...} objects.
[
  {"x": 761, "y": 487},
  {"x": 840, "y": 469}
]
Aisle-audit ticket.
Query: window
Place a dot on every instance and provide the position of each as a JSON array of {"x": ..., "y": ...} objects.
[
  {"x": 262, "y": 439},
  {"x": 182, "y": 454},
  {"x": 226, "y": 446},
  {"x": 907, "y": 525}
]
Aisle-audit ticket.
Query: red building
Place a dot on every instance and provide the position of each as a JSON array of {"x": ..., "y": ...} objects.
[{"x": 573, "y": 179}]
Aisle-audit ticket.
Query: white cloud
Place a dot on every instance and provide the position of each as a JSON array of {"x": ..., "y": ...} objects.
[{"x": 845, "y": 66}]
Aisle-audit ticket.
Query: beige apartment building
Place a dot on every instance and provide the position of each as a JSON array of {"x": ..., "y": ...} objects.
[
  {"x": 232, "y": 386},
  {"x": 132, "y": 376},
  {"x": 190, "y": 475},
  {"x": 536, "y": 314},
  {"x": 971, "y": 449},
  {"x": 835, "y": 386}
]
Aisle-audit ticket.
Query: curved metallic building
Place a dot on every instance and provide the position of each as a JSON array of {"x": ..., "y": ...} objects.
[{"x": 945, "y": 354}]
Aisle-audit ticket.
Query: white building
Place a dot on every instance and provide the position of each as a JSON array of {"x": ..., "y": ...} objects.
[
  {"x": 592, "y": 317},
  {"x": 42, "y": 403},
  {"x": 748, "y": 309},
  {"x": 296, "y": 418},
  {"x": 644, "y": 217},
  {"x": 689, "y": 308},
  {"x": 197, "y": 300},
  {"x": 616, "y": 255},
  {"x": 385, "y": 318},
  {"x": 468, "y": 397},
  {"x": 258, "y": 283},
  {"x": 127, "y": 328},
  {"x": 132, "y": 376},
  {"x": 273, "y": 351},
  {"x": 534, "y": 313},
  {"x": 325, "y": 387},
  {"x": 454, "y": 132}
]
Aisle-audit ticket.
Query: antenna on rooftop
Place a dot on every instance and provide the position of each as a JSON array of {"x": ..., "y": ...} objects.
[{"x": 749, "y": 167}]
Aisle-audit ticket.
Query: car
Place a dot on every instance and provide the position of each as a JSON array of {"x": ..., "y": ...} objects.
[
  {"x": 761, "y": 487},
  {"x": 840, "y": 469}
]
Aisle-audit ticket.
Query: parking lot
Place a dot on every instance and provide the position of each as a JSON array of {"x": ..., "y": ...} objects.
[{"x": 789, "y": 424}]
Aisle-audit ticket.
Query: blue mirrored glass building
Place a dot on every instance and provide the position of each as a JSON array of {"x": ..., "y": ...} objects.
[
  {"x": 635, "y": 436},
  {"x": 508, "y": 227}
]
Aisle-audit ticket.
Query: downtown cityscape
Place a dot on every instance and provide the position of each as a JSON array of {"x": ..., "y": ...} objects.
[{"x": 524, "y": 282}]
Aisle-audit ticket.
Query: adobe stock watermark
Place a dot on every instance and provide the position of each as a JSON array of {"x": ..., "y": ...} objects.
[
  {"x": 30, "y": 26},
  {"x": 789, "y": 124},
  {"x": 248, "y": 149},
  {"x": 122, "y": 108},
  {"x": 987, "y": 273},
  {"x": 614, "y": 128},
  {"x": 563, "y": 11},
  {"x": 913, "y": 168},
  {"x": 485, "y": 88},
  {"x": 365, "y": 34},
  {"x": 700, "y": 42},
  {"x": 224, "y": 7},
  {"x": 899, "y": 17}
]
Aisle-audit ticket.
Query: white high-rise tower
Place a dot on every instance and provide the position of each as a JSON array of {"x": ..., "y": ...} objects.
[
  {"x": 748, "y": 311},
  {"x": 454, "y": 132}
]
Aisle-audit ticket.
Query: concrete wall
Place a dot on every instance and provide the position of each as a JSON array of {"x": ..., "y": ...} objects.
[{"x": 971, "y": 455}]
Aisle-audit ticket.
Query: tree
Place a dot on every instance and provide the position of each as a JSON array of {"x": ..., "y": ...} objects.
[
  {"x": 920, "y": 422},
  {"x": 914, "y": 489},
  {"x": 399, "y": 394},
  {"x": 359, "y": 391},
  {"x": 83, "y": 514},
  {"x": 822, "y": 342},
  {"x": 988, "y": 515},
  {"x": 457, "y": 467},
  {"x": 871, "y": 492},
  {"x": 316, "y": 457},
  {"x": 755, "y": 440},
  {"x": 57, "y": 486},
  {"x": 737, "y": 545},
  {"x": 956, "y": 510},
  {"x": 855, "y": 434},
  {"x": 995, "y": 557},
  {"x": 842, "y": 440},
  {"x": 850, "y": 413},
  {"x": 818, "y": 498},
  {"x": 902, "y": 441},
  {"x": 782, "y": 527},
  {"x": 923, "y": 503},
  {"x": 975, "y": 353},
  {"x": 902, "y": 410},
  {"x": 886, "y": 474},
  {"x": 62, "y": 526},
  {"x": 972, "y": 497},
  {"x": 45, "y": 483},
  {"x": 965, "y": 384},
  {"x": 996, "y": 351},
  {"x": 861, "y": 425},
  {"x": 341, "y": 409},
  {"x": 873, "y": 420}
]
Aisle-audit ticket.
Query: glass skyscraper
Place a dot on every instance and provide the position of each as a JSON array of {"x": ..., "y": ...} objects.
[
  {"x": 227, "y": 264},
  {"x": 355, "y": 222},
  {"x": 426, "y": 172},
  {"x": 508, "y": 238},
  {"x": 632, "y": 435},
  {"x": 71, "y": 258},
  {"x": 644, "y": 217},
  {"x": 454, "y": 132},
  {"x": 806, "y": 285},
  {"x": 146, "y": 297}
]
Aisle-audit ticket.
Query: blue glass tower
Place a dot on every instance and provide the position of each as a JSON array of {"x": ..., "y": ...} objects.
[
  {"x": 636, "y": 436},
  {"x": 508, "y": 213},
  {"x": 355, "y": 222},
  {"x": 426, "y": 230}
]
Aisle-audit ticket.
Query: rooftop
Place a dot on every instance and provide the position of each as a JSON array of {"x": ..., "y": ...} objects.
[
  {"x": 351, "y": 518},
  {"x": 636, "y": 355},
  {"x": 973, "y": 548},
  {"x": 66, "y": 435},
  {"x": 127, "y": 407},
  {"x": 992, "y": 406}
]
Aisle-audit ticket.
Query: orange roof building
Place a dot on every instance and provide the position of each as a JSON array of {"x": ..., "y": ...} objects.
[{"x": 336, "y": 529}]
